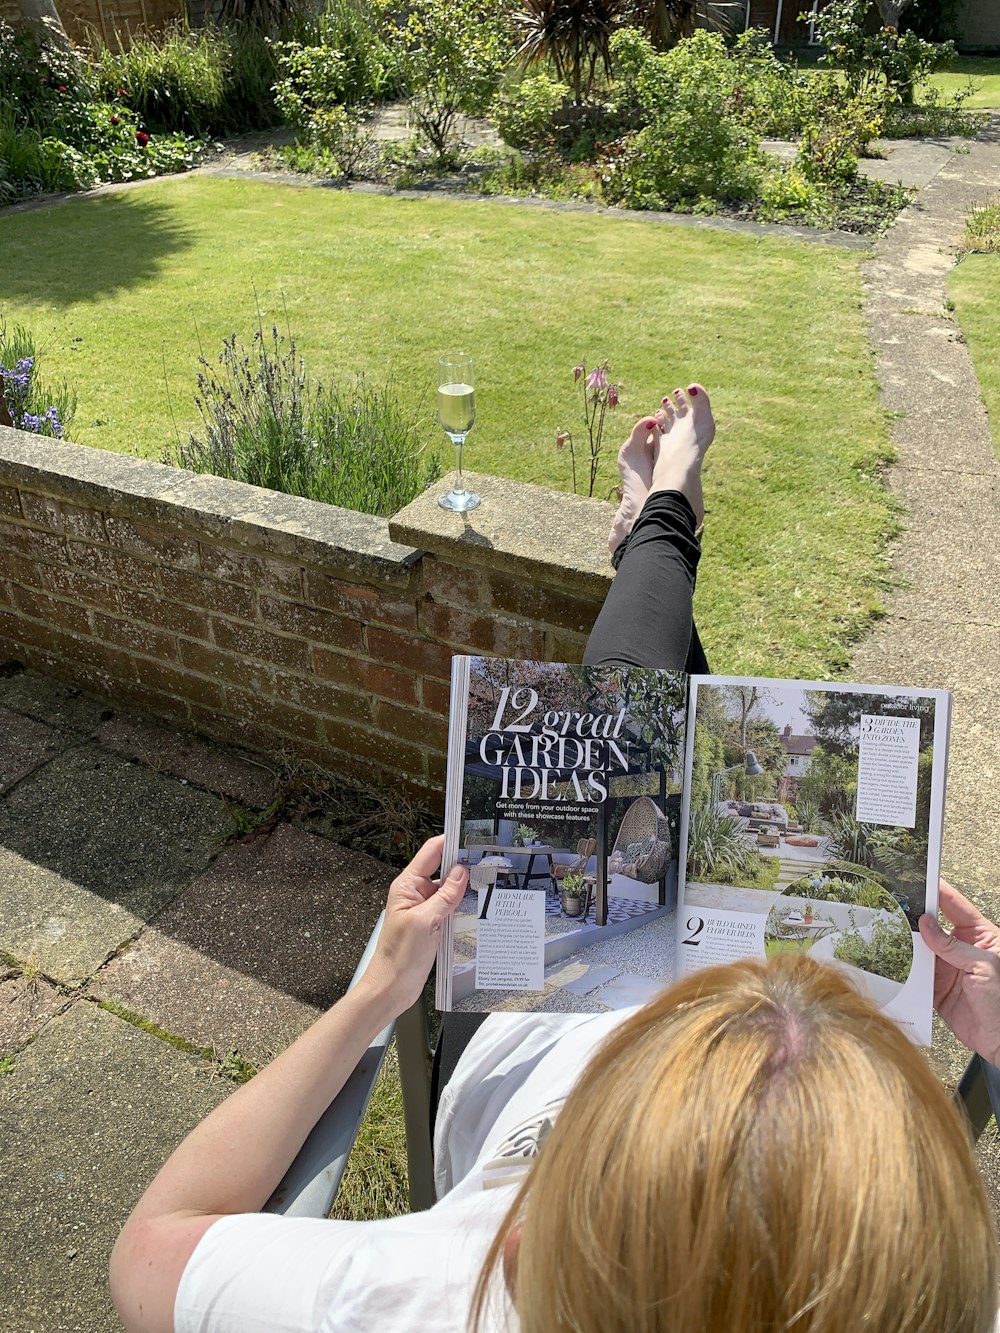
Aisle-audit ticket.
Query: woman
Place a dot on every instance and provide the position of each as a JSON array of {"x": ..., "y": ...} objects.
[{"x": 757, "y": 1149}]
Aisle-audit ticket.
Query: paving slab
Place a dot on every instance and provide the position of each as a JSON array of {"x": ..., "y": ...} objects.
[
  {"x": 269, "y": 934},
  {"x": 943, "y": 626},
  {"x": 47, "y": 700},
  {"x": 88, "y": 1115},
  {"x": 26, "y": 1005},
  {"x": 25, "y": 745},
  {"x": 91, "y": 848},
  {"x": 227, "y": 773}
]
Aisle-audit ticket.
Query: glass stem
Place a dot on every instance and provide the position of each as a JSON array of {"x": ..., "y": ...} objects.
[{"x": 460, "y": 483}]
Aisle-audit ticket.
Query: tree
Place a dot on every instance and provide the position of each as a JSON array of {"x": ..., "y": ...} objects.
[
  {"x": 836, "y": 716},
  {"x": 43, "y": 16},
  {"x": 745, "y": 699},
  {"x": 890, "y": 11}
]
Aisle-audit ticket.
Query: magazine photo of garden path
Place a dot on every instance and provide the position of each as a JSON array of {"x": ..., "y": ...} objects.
[
  {"x": 791, "y": 818},
  {"x": 570, "y": 794}
]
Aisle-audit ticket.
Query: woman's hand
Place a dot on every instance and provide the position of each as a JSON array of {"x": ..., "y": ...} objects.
[
  {"x": 966, "y": 973},
  {"x": 415, "y": 912}
]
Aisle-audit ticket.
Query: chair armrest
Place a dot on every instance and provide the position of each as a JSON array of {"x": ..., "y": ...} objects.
[
  {"x": 978, "y": 1093},
  {"x": 311, "y": 1182}
]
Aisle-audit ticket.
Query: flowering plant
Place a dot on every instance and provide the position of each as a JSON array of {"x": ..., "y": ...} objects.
[
  {"x": 599, "y": 394},
  {"x": 15, "y": 397},
  {"x": 25, "y": 402}
]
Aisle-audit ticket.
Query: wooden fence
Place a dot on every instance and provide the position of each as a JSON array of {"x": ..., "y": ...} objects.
[{"x": 110, "y": 20}]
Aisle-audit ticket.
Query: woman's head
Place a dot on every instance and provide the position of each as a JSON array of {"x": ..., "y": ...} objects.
[{"x": 757, "y": 1149}]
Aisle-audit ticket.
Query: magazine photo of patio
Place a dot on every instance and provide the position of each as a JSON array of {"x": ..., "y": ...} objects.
[
  {"x": 786, "y": 779},
  {"x": 570, "y": 803}
]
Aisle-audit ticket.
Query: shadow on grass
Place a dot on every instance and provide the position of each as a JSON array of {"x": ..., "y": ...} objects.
[{"x": 87, "y": 248}]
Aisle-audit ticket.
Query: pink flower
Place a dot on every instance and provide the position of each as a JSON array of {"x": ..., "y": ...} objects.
[
  {"x": 612, "y": 395},
  {"x": 141, "y": 138},
  {"x": 597, "y": 378},
  {"x": 61, "y": 88},
  {"x": 577, "y": 372},
  {"x": 561, "y": 438}
]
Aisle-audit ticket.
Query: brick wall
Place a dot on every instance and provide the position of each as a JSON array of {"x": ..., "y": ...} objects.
[{"x": 276, "y": 623}]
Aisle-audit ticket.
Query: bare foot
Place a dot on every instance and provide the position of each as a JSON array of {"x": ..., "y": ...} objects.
[
  {"x": 635, "y": 463},
  {"x": 686, "y": 429}
]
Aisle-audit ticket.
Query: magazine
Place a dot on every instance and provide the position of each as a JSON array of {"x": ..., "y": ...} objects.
[{"x": 624, "y": 826}]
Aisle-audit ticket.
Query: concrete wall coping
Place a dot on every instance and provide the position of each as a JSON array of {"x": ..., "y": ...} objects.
[
  {"x": 220, "y": 510},
  {"x": 549, "y": 536}
]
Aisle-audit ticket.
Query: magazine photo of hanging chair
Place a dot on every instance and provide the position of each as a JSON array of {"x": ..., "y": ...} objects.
[{"x": 643, "y": 846}]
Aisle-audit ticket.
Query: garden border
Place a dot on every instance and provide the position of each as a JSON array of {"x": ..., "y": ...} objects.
[{"x": 277, "y": 623}]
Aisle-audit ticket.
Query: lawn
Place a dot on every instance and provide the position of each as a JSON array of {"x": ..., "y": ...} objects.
[
  {"x": 974, "y": 286},
  {"x": 122, "y": 289},
  {"x": 984, "y": 71}
]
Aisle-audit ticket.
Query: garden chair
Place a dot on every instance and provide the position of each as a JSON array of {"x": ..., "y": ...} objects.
[
  {"x": 643, "y": 846},
  {"x": 311, "y": 1183},
  {"x": 558, "y": 870}
]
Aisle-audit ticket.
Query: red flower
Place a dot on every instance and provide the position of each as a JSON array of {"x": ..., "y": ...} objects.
[
  {"x": 114, "y": 120},
  {"x": 122, "y": 92},
  {"x": 141, "y": 138},
  {"x": 62, "y": 88}
]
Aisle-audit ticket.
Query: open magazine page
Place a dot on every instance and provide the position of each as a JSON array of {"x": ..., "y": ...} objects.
[
  {"x": 564, "y": 801},
  {"x": 813, "y": 825}
]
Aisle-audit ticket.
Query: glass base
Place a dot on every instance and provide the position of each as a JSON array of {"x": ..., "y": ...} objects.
[{"x": 459, "y": 501}]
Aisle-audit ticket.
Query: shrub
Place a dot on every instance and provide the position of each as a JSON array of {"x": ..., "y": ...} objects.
[
  {"x": 453, "y": 54},
  {"x": 771, "y": 95},
  {"x": 526, "y": 116},
  {"x": 34, "y": 405},
  {"x": 175, "y": 80},
  {"x": 888, "y": 954},
  {"x": 35, "y": 76},
  {"x": 573, "y": 35},
  {"x": 717, "y": 849},
  {"x": 692, "y": 150},
  {"x": 56, "y": 135},
  {"x": 787, "y": 191},
  {"x": 199, "y": 81},
  {"x": 834, "y": 139},
  {"x": 345, "y": 60},
  {"x": 264, "y": 423},
  {"x": 97, "y": 142},
  {"x": 885, "y": 62}
]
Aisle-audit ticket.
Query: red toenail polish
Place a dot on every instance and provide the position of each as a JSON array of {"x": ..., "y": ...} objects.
[
  {"x": 650, "y": 425},
  {"x": 692, "y": 391},
  {"x": 665, "y": 401}
]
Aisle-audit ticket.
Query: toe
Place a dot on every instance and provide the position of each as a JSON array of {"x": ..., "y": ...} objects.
[
  {"x": 698, "y": 397},
  {"x": 681, "y": 403}
]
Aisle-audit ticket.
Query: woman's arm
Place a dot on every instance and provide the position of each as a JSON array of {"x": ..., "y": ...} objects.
[{"x": 237, "y": 1156}]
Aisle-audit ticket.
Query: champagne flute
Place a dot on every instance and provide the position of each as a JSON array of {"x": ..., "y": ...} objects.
[{"x": 457, "y": 415}]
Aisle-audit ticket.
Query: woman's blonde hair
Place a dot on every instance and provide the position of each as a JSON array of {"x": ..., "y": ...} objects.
[{"x": 757, "y": 1149}]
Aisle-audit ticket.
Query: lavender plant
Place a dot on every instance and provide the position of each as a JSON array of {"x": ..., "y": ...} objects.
[
  {"x": 599, "y": 395},
  {"x": 24, "y": 398},
  {"x": 265, "y": 423}
]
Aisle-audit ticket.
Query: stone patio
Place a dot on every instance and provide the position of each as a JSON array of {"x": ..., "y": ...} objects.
[{"x": 138, "y": 950}]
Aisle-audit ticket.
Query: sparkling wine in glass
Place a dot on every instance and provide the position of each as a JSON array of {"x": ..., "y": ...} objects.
[{"x": 457, "y": 415}]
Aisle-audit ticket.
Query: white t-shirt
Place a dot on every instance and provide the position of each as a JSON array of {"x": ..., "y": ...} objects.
[{"x": 254, "y": 1272}]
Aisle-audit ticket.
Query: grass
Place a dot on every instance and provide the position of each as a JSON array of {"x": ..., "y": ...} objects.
[
  {"x": 984, "y": 71},
  {"x": 974, "y": 287},
  {"x": 375, "y": 1183},
  {"x": 121, "y": 290}
]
